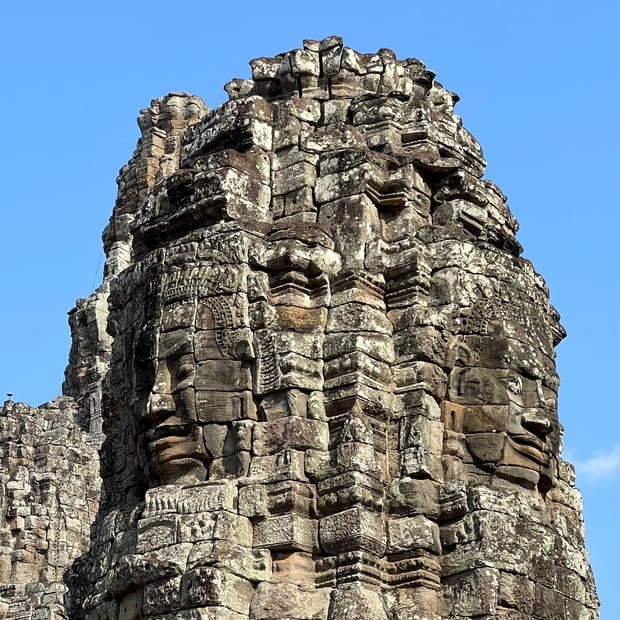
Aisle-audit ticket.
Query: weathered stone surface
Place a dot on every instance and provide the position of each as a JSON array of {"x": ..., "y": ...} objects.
[
  {"x": 319, "y": 371},
  {"x": 49, "y": 494}
]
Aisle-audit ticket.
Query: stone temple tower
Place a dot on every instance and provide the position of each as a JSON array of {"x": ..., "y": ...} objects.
[{"x": 320, "y": 374}]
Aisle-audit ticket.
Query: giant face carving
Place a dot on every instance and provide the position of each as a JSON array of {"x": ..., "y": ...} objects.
[
  {"x": 509, "y": 422},
  {"x": 174, "y": 442},
  {"x": 532, "y": 432},
  {"x": 200, "y": 383}
]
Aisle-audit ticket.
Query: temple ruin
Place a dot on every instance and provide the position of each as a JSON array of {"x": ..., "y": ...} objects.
[{"x": 316, "y": 382}]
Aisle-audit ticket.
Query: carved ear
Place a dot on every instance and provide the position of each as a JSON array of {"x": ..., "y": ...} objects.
[
  {"x": 462, "y": 356},
  {"x": 459, "y": 354}
]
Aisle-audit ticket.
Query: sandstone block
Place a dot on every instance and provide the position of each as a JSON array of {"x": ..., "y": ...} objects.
[
  {"x": 287, "y": 532},
  {"x": 356, "y": 602},
  {"x": 411, "y": 496},
  {"x": 156, "y": 532},
  {"x": 285, "y": 465},
  {"x": 215, "y": 406},
  {"x": 251, "y": 564},
  {"x": 289, "y": 433},
  {"x": 413, "y": 533},
  {"x": 356, "y": 528},
  {"x": 283, "y": 600},
  {"x": 206, "y": 586},
  {"x": 163, "y": 597}
]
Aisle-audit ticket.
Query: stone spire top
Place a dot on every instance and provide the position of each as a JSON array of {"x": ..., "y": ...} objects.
[{"x": 327, "y": 70}]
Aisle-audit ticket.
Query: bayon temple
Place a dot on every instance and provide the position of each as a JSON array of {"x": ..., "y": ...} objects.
[{"x": 316, "y": 382}]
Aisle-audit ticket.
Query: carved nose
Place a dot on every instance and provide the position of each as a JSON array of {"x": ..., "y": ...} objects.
[
  {"x": 536, "y": 423},
  {"x": 159, "y": 404}
]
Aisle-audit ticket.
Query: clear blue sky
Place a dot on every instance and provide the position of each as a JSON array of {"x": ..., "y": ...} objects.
[{"x": 539, "y": 90}]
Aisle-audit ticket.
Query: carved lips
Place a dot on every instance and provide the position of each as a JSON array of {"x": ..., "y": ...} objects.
[{"x": 528, "y": 445}]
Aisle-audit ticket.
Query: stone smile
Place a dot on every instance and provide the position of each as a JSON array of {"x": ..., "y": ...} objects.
[
  {"x": 529, "y": 445},
  {"x": 528, "y": 440}
]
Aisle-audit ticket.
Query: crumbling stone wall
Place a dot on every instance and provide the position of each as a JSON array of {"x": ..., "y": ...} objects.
[
  {"x": 49, "y": 495},
  {"x": 324, "y": 371}
]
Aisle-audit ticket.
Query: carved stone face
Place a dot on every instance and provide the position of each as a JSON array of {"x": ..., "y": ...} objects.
[
  {"x": 506, "y": 420},
  {"x": 198, "y": 391},
  {"x": 532, "y": 429},
  {"x": 174, "y": 442}
]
